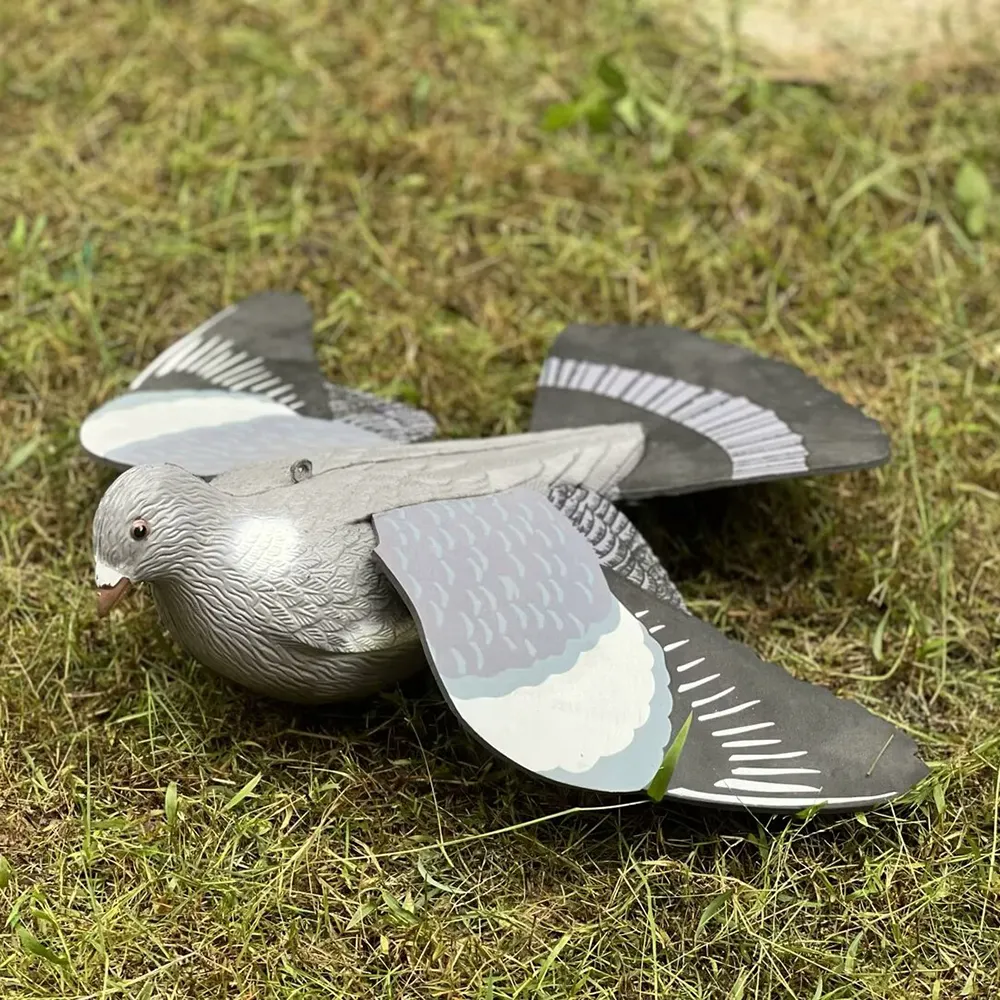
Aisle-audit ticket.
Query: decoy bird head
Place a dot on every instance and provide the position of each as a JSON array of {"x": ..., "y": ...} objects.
[{"x": 144, "y": 526}]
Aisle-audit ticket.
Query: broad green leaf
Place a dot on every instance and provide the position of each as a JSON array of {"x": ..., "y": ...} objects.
[
  {"x": 714, "y": 907},
  {"x": 170, "y": 803},
  {"x": 5, "y": 872},
  {"x": 657, "y": 788},
  {"x": 612, "y": 77},
  {"x": 600, "y": 114},
  {"x": 972, "y": 187},
  {"x": 560, "y": 116},
  {"x": 975, "y": 219},
  {"x": 32, "y": 946},
  {"x": 243, "y": 793}
]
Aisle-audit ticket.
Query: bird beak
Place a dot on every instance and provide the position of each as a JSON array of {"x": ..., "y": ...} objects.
[{"x": 109, "y": 596}]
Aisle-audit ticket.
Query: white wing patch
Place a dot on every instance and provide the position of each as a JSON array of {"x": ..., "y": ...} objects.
[
  {"x": 217, "y": 360},
  {"x": 757, "y": 441},
  {"x": 263, "y": 548},
  {"x": 138, "y": 418},
  {"x": 551, "y": 725}
]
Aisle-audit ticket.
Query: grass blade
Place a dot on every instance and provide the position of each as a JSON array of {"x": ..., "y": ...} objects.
[{"x": 657, "y": 788}]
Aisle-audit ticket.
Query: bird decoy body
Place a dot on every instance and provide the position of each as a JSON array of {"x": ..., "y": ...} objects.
[{"x": 338, "y": 563}]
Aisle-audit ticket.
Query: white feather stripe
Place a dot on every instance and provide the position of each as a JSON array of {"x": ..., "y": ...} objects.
[
  {"x": 593, "y": 374},
  {"x": 270, "y": 383},
  {"x": 773, "y": 802},
  {"x": 223, "y": 365},
  {"x": 586, "y": 376},
  {"x": 736, "y": 730},
  {"x": 250, "y": 377},
  {"x": 767, "y": 756},
  {"x": 728, "y": 711},
  {"x": 215, "y": 349},
  {"x": 671, "y": 646},
  {"x": 746, "y": 421},
  {"x": 656, "y": 387},
  {"x": 235, "y": 374},
  {"x": 689, "y": 664},
  {"x": 727, "y": 438},
  {"x": 194, "y": 347},
  {"x": 195, "y": 335},
  {"x": 765, "y": 461},
  {"x": 621, "y": 382},
  {"x": 674, "y": 398},
  {"x": 611, "y": 372},
  {"x": 774, "y": 446},
  {"x": 768, "y": 772},
  {"x": 691, "y": 685},
  {"x": 190, "y": 347},
  {"x": 566, "y": 372},
  {"x": 252, "y": 382},
  {"x": 742, "y": 785},
  {"x": 640, "y": 387},
  {"x": 734, "y": 411},
  {"x": 770, "y": 469},
  {"x": 153, "y": 367},
  {"x": 706, "y": 402},
  {"x": 549, "y": 372},
  {"x": 573, "y": 719},
  {"x": 713, "y": 697}
]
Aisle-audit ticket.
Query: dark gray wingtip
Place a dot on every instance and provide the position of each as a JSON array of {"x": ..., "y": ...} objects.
[
  {"x": 762, "y": 740},
  {"x": 715, "y": 414},
  {"x": 260, "y": 349}
]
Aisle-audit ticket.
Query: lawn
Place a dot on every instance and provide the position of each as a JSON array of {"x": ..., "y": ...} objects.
[{"x": 163, "y": 833}]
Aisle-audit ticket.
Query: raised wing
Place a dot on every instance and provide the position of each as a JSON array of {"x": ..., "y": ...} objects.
[
  {"x": 575, "y": 674},
  {"x": 715, "y": 414},
  {"x": 242, "y": 387},
  {"x": 262, "y": 345}
]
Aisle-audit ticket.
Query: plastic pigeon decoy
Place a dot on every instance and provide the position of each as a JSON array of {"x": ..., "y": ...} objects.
[{"x": 551, "y": 627}]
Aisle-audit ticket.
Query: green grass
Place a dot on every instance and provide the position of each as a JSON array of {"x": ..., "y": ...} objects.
[{"x": 160, "y": 160}]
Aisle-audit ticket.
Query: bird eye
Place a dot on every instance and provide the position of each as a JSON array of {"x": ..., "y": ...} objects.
[
  {"x": 301, "y": 470},
  {"x": 139, "y": 529}
]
